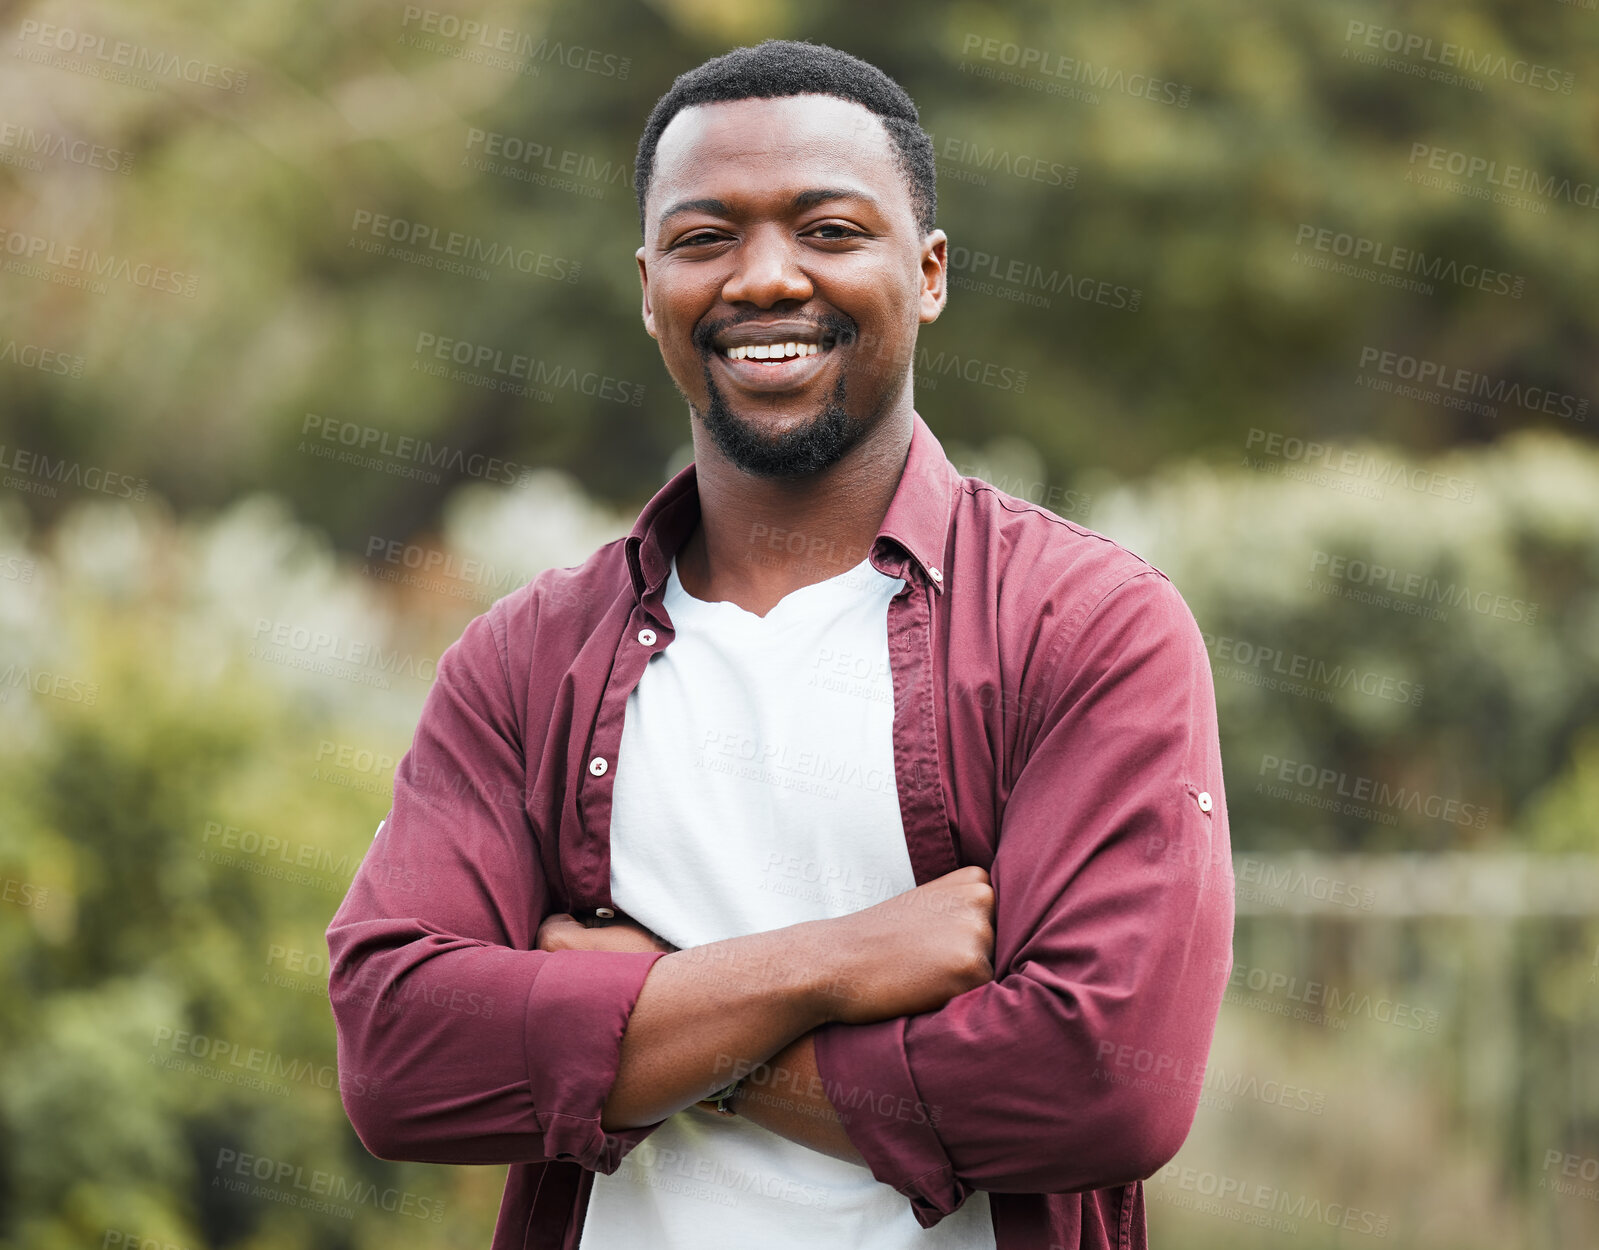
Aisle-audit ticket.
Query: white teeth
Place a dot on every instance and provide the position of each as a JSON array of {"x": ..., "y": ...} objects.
[{"x": 773, "y": 351}]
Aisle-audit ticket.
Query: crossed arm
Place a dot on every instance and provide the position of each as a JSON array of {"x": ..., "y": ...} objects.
[
  {"x": 709, "y": 1015},
  {"x": 670, "y": 1051}
]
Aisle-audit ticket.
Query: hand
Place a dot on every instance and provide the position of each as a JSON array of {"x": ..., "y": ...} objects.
[
  {"x": 913, "y": 952},
  {"x": 564, "y": 932}
]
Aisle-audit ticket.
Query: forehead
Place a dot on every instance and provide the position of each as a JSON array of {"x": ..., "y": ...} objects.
[{"x": 753, "y": 152}]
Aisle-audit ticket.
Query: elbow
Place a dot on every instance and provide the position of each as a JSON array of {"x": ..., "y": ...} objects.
[
  {"x": 378, "y": 1131},
  {"x": 368, "y": 1089},
  {"x": 381, "y": 1111},
  {"x": 1152, "y": 1132}
]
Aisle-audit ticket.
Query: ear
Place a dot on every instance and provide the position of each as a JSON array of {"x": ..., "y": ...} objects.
[
  {"x": 644, "y": 281},
  {"x": 935, "y": 273}
]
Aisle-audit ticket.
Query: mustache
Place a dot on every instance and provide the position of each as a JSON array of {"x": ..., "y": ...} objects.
[{"x": 842, "y": 328}]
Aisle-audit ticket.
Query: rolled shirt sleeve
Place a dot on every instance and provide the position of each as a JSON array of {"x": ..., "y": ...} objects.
[
  {"x": 457, "y": 1043},
  {"x": 1079, "y": 1066}
]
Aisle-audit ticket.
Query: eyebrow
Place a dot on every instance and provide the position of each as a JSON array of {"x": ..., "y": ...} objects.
[{"x": 800, "y": 202}]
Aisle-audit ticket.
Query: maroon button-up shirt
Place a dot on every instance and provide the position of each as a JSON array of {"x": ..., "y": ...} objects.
[{"x": 1054, "y": 722}]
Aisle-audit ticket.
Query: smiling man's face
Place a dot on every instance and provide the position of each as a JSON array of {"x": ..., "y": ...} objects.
[{"x": 785, "y": 277}]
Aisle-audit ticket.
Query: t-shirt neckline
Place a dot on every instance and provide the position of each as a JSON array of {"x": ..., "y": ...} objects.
[{"x": 678, "y": 592}]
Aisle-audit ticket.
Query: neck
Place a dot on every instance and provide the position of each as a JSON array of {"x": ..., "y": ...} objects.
[{"x": 760, "y": 538}]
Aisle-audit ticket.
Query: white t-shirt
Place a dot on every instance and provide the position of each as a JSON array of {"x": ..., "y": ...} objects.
[{"x": 755, "y": 789}]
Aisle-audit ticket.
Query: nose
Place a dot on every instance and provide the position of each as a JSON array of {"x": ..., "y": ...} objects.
[{"x": 766, "y": 270}]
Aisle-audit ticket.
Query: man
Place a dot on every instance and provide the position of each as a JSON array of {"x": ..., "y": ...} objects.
[{"x": 842, "y": 774}]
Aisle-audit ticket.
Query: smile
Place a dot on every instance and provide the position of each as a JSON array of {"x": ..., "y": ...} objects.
[
  {"x": 778, "y": 365},
  {"x": 791, "y": 349}
]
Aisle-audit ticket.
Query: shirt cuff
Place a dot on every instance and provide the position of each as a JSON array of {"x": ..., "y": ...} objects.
[
  {"x": 866, "y": 1075},
  {"x": 577, "y": 1010}
]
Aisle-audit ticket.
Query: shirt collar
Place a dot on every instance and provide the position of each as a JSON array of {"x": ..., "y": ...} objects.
[{"x": 917, "y": 519}]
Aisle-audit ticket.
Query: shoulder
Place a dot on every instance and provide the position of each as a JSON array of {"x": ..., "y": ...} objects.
[
  {"x": 1054, "y": 571},
  {"x": 560, "y": 608}
]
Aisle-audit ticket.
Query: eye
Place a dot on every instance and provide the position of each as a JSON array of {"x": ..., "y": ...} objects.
[
  {"x": 698, "y": 239},
  {"x": 836, "y": 232}
]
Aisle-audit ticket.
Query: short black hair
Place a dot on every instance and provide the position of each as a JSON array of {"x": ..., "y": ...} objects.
[{"x": 785, "y": 67}]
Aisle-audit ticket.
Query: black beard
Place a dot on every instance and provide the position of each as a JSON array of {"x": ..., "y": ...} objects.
[{"x": 798, "y": 452}]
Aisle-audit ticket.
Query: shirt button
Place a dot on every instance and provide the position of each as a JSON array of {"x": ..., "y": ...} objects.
[
  {"x": 647, "y": 637},
  {"x": 935, "y": 575},
  {"x": 604, "y": 913},
  {"x": 1204, "y": 801},
  {"x": 597, "y": 766}
]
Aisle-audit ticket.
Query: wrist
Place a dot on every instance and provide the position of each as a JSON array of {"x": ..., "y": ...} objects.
[{"x": 821, "y": 960}]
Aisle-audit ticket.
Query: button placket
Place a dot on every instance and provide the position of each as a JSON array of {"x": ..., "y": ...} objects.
[{"x": 589, "y": 880}]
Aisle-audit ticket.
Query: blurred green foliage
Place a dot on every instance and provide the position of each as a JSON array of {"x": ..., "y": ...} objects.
[{"x": 1263, "y": 124}]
